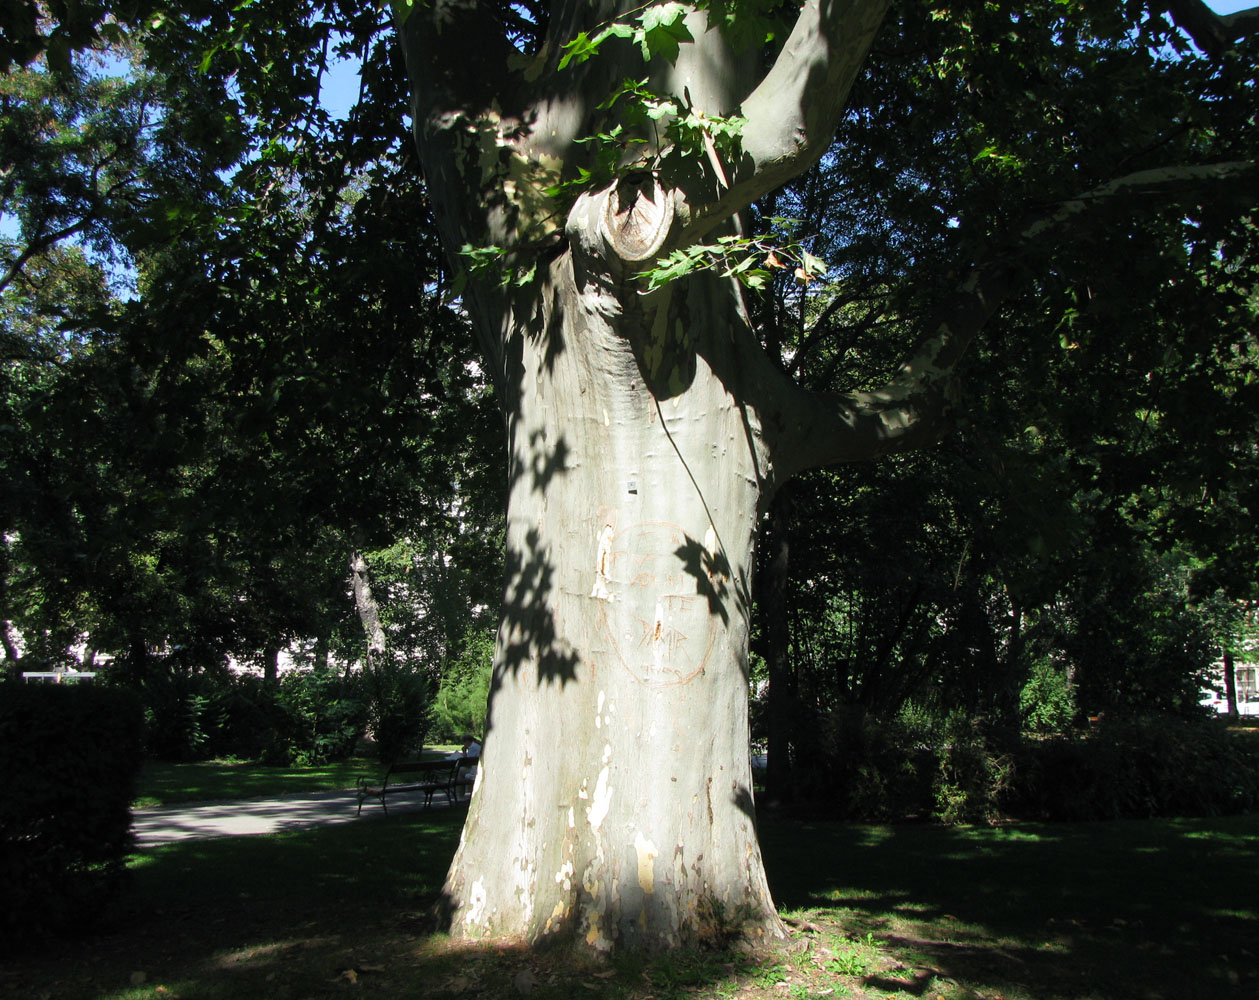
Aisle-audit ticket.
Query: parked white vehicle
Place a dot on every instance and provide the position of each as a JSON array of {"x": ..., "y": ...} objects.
[{"x": 1218, "y": 702}]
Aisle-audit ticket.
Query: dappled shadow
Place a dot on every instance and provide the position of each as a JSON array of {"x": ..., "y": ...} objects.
[
  {"x": 1134, "y": 907},
  {"x": 711, "y": 572},
  {"x": 546, "y": 466},
  {"x": 742, "y": 798},
  {"x": 326, "y": 912},
  {"x": 529, "y": 632}
]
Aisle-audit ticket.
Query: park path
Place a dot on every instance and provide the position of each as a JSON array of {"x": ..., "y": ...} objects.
[{"x": 250, "y": 817}]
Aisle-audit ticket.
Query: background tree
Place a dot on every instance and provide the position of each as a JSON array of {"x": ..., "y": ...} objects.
[{"x": 252, "y": 412}]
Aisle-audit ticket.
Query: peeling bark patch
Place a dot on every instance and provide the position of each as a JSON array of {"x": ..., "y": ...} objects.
[
  {"x": 603, "y": 555},
  {"x": 602, "y": 801},
  {"x": 646, "y": 851},
  {"x": 476, "y": 905}
]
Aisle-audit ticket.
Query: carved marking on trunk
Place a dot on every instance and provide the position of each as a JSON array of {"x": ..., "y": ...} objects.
[{"x": 673, "y": 645}]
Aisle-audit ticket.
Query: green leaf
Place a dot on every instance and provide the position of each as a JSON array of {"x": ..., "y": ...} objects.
[
  {"x": 402, "y": 9},
  {"x": 578, "y": 50},
  {"x": 663, "y": 30}
]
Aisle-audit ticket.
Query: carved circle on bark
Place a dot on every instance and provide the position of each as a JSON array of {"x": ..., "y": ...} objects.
[
  {"x": 637, "y": 216},
  {"x": 644, "y": 572}
]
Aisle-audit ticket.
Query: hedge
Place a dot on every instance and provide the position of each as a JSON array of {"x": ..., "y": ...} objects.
[{"x": 69, "y": 755}]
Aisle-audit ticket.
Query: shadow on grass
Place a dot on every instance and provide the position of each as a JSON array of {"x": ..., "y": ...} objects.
[
  {"x": 1163, "y": 908},
  {"x": 267, "y": 916},
  {"x": 1035, "y": 912},
  {"x": 337, "y": 911}
]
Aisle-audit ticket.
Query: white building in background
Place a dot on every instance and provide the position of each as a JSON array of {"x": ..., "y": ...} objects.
[{"x": 1246, "y": 677}]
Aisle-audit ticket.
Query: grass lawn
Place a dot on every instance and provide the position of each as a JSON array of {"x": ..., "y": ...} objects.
[
  {"x": 164, "y": 784},
  {"x": 1160, "y": 909}
]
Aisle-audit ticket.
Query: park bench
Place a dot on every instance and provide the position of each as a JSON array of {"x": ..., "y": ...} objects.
[{"x": 420, "y": 776}]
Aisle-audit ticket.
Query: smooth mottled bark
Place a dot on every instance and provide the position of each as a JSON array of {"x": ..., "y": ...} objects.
[{"x": 366, "y": 607}]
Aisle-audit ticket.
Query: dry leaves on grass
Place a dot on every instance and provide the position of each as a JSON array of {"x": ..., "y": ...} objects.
[{"x": 354, "y": 974}]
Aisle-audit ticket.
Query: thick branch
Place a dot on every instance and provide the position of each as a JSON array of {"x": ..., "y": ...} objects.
[
  {"x": 914, "y": 408},
  {"x": 1213, "y": 33},
  {"x": 794, "y": 111},
  {"x": 40, "y": 244}
]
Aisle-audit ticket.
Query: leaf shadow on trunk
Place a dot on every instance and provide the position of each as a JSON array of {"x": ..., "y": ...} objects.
[
  {"x": 527, "y": 621},
  {"x": 711, "y": 571}
]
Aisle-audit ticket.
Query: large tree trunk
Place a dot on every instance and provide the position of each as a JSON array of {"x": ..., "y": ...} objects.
[
  {"x": 614, "y": 801},
  {"x": 645, "y": 431}
]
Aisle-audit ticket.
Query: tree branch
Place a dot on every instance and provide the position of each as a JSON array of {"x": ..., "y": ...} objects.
[
  {"x": 915, "y": 406},
  {"x": 1213, "y": 33},
  {"x": 793, "y": 113}
]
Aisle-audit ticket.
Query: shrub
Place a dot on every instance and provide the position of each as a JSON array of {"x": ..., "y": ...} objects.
[
  {"x": 249, "y": 720},
  {"x": 70, "y": 755},
  {"x": 866, "y": 768},
  {"x": 972, "y": 774},
  {"x": 324, "y": 716},
  {"x": 956, "y": 770},
  {"x": 397, "y": 700},
  {"x": 1047, "y": 701},
  {"x": 180, "y": 716},
  {"x": 1163, "y": 765},
  {"x": 463, "y": 695}
]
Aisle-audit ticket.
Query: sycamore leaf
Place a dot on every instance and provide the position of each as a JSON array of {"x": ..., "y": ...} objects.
[
  {"x": 813, "y": 266},
  {"x": 663, "y": 30},
  {"x": 584, "y": 47},
  {"x": 755, "y": 278},
  {"x": 579, "y": 50}
]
